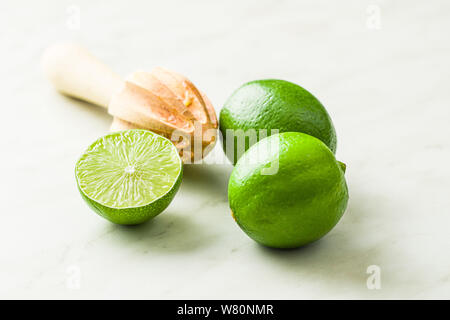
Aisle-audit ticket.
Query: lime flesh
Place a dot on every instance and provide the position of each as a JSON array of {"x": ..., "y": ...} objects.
[{"x": 129, "y": 176}]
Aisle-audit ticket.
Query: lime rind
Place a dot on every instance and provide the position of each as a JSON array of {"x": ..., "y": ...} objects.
[{"x": 298, "y": 204}]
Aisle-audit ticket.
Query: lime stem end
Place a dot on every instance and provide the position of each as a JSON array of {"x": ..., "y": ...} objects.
[{"x": 343, "y": 166}]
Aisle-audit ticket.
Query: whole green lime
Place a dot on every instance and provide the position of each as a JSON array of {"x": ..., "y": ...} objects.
[
  {"x": 129, "y": 176},
  {"x": 287, "y": 190},
  {"x": 270, "y": 105}
]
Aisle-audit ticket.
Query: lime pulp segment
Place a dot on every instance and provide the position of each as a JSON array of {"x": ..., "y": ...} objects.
[{"x": 128, "y": 169}]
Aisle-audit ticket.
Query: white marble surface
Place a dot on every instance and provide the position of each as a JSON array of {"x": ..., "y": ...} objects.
[{"x": 386, "y": 89}]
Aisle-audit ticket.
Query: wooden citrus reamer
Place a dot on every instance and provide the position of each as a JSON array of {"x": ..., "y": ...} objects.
[{"x": 161, "y": 101}]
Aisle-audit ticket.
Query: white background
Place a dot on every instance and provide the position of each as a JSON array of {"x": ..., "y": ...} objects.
[{"x": 385, "y": 82}]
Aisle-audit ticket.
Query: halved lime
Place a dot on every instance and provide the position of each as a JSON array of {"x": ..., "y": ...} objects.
[{"x": 129, "y": 176}]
